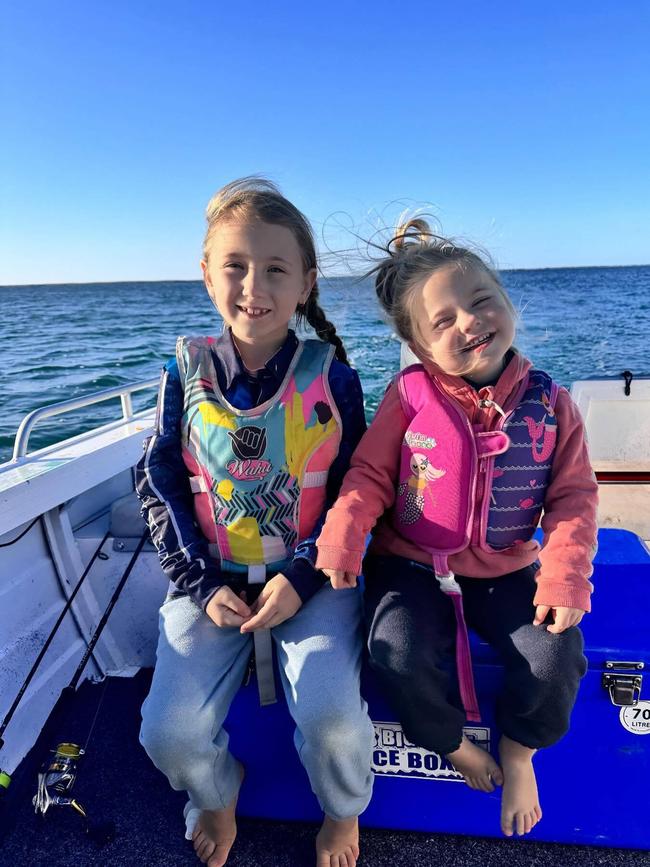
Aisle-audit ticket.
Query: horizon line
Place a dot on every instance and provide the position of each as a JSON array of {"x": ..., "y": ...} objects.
[{"x": 323, "y": 276}]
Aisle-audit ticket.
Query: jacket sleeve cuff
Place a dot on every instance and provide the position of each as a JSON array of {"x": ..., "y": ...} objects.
[
  {"x": 206, "y": 593},
  {"x": 303, "y": 576},
  {"x": 206, "y": 583},
  {"x": 563, "y": 596},
  {"x": 339, "y": 559}
]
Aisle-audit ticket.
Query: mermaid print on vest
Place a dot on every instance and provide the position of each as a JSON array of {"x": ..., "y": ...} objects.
[
  {"x": 259, "y": 475},
  {"x": 450, "y": 468},
  {"x": 443, "y": 456}
]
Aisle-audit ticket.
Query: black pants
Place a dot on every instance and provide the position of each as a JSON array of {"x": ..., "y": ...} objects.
[{"x": 411, "y": 630}]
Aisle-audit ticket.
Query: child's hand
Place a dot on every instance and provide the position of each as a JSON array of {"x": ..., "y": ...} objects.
[
  {"x": 277, "y": 602},
  {"x": 225, "y": 608},
  {"x": 563, "y": 618},
  {"x": 340, "y": 580}
]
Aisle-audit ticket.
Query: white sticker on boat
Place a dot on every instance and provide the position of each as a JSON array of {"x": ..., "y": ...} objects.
[
  {"x": 395, "y": 756},
  {"x": 636, "y": 718}
]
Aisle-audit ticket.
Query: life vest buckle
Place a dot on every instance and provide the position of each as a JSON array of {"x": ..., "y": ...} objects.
[{"x": 448, "y": 583}]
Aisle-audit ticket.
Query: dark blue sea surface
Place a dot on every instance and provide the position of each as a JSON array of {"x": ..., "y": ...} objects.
[{"x": 64, "y": 341}]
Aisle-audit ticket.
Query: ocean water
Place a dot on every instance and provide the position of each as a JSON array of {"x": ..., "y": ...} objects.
[{"x": 64, "y": 341}]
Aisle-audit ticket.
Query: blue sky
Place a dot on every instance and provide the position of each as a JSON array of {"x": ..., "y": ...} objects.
[{"x": 523, "y": 126}]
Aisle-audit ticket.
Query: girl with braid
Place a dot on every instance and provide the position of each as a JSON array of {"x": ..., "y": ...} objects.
[{"x": 254, "y": 432}]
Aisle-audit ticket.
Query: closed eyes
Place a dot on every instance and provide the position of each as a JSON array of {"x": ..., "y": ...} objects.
[{"x": 446, "y": 320}]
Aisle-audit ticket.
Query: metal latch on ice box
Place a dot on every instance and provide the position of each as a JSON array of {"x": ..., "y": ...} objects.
[{"x": 624, "y": 689}]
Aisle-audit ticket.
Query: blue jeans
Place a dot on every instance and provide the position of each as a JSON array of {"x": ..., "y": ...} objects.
[{"x": 199, "y": 669}]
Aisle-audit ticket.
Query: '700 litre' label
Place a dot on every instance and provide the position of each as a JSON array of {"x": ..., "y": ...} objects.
[{"x": 395, "y": 756}]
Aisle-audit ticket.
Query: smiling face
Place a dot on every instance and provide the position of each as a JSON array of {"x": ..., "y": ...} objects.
[
  {"x": 463, "y": 322},
  {"x": 255, "y": 276},
  {"x": 419, "y": 463}
]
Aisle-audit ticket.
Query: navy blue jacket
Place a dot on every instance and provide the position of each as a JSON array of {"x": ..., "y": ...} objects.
[{"x": 162, "y": 477}]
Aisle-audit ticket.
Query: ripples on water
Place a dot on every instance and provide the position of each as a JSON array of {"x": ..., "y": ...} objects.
[{"x": 65, "y": 341}]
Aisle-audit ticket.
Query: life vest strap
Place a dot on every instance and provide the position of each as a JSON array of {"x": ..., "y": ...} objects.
[
  {"x": 198, "y": 485},
  {"x": 257, "y": 573},
  {"x": 451, "y": 588},
  {"x": 464, "y": 662},
  {"x": 316, "y": 479},
  {"x": 263, "y": 644}
]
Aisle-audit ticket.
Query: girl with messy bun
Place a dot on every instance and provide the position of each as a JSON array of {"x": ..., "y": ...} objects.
[
  {"x": 414, "y": 254},
  {"x": 468, "y": 449},
  {"x": 254, "y": 433}
]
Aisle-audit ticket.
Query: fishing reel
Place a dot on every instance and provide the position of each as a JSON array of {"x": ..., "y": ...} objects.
[{"x": 55, "y": 783}]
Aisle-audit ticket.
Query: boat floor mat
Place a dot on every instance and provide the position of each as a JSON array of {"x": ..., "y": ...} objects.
[{"x": 118, "y": 784}]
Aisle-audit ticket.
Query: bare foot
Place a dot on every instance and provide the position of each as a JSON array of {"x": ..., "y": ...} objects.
[
  {"x": 520, "y": 809},
  {"x": 215, "y": 833},
  {"x": 477, "y": 766},
  {"x": 337, "y": 843}
]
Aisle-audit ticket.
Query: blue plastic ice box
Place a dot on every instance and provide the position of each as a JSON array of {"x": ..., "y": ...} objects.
[{"x": 593, "y": 784}]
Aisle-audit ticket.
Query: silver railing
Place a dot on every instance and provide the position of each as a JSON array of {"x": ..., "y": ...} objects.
[{"x": 124, "y": 393}]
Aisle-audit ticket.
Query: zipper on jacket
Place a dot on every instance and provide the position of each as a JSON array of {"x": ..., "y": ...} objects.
[
  {"x": 480, "y": 492},
  {"x": 486, "y": 403},
  {"x": 482, "y": 517},
  {"x": 479, "y": 530}
]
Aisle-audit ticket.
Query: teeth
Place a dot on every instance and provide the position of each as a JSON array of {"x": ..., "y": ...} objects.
[
  {"x": 477, "y": 341},
  {"x": 254, "y": 311}
]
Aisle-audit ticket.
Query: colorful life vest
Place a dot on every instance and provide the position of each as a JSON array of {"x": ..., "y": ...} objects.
[
  {"x": 444, "y": 457},
  {"x": 259, "y": 475},
  {"x": 450, "y": 468}
]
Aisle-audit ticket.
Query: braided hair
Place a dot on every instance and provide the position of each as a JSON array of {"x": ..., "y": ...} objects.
[{"x": 315, "y": 316}]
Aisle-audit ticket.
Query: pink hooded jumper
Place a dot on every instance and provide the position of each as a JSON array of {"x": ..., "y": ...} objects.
[{"x": 395, "y": 481}]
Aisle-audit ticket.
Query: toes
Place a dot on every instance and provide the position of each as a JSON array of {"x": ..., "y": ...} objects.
[
  {"x": 480, "y": 784},
  {"x": 341, "y": 860},
  {"x": 206, "y": 850},
  {"x": 506, "y": 824},
  {"x": 496, "y": 775},
  {"x": 518, "y": 824},
  {"x": 528, "y": 823},
  {"x": 219, "y": 857},
  {"x": 202, "y": 847}
]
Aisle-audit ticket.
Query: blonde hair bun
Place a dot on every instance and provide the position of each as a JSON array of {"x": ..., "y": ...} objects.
[{"x": 415, "y": 232}]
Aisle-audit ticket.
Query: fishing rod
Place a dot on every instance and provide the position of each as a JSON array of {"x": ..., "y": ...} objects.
[
  {"x": 107, "y": 613},
  {"x": 5, "y": 779},
  {"x": 56, "y": 779}
]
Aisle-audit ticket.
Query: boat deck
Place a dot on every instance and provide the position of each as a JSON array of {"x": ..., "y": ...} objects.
[{"x": 118, "y": 784}]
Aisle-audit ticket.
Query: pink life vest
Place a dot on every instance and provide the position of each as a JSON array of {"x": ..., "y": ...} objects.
[{"x": 444, "y": 457}]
